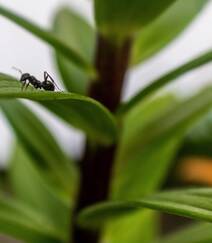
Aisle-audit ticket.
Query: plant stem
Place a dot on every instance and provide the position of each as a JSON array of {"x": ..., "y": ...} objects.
[
  {"x": 111, "y": 64},
  {"x": 96, "y": 167}
]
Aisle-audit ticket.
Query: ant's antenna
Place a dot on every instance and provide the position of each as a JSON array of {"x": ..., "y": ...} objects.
[{"x": 17, "y": 69}]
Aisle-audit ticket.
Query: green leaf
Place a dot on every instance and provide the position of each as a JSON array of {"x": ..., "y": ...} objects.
[
  {"x": 31, "y": 186},
  {"x": 49, "y": 38},
  {"x": 134, "y": 163},
  {"x": 151, "y": 136},
  {"x": 19, "y": 221},
  {"x": 136, "y": 227},
  {"x": 75, "y": 32},
  {"x": 152, "y": 132},
  {"x": 164, "y": 29},
  {"x": 148, "y": 168},
  {"x": 120, "y": 19},
  {"x": 196, "y": 233},
  {"x": 170, "y": 126},
  {"x": 80, "y": 111},
  {"x": 38, "y": 141},
  {"x": 193, "y": 203},
  {"x": 165, "y": 79},
  {"x": 199, "y": 138},
  {"x": 3, "y": 179}
]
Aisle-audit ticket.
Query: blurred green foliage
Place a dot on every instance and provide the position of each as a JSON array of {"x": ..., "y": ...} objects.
[{"x": 148, "y": 131}]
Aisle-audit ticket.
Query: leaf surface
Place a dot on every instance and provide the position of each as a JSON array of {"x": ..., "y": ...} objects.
[
  {"x": 80, "y": 111},
  {"x": 120, "y": 19},
  {"x": 199, "y": 138},
  {"x": 193, "y": 203},
  {"x": 196, "y": 233},
  {"x": 32, "y": 186},
  {"x": 19, "y": 221},
  {"x": 139, "y": 162},
  {"x": 142, "y": 174},
  {"x": 170, "y": 125},
  {"x": 75, "y": 32},
  {"x": 38, "y": 141},
  {"x": 154, "y": 37}
]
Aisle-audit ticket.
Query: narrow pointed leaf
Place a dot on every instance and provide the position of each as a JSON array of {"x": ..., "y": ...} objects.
[
  {"x": 145, "y": 169},
  {"x": 164, "y": 29},
  {"x": 49, "y": 38},
  {"x": 38, "y": 141},
  {"x": 121, "y": 18},
  {"x": 141, "y": 226},
  {"x": 143, "y": 160},
  {"x": 166, "y": 79},
  {"x": 194, "y": 204},
  {"x": 19, "y": 221},
  {"x": 134, "y": 163},
  {"x": 80, "y": 111},
  {"x": 171, "y": 125},
  {"x": 142, "y": 174},
  {"x": 197, "y": 233},
  {"x": 199, "y": 138},
  {"x": 75, "y": 32},
  {"x": 31, "y": 186}
]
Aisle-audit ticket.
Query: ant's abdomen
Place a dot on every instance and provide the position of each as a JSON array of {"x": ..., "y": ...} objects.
[{"x": 47, "y": 85}]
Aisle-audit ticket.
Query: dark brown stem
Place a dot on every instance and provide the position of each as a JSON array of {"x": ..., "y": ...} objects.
[
  {"x": 111, "y": 64},
  {"x": 96, "y": 167}
]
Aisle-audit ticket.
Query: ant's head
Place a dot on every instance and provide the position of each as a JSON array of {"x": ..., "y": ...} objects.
[{"x": 24, "y": 76}]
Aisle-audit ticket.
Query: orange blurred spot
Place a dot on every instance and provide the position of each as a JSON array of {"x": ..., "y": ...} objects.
[{"x": 196, "y": 170}]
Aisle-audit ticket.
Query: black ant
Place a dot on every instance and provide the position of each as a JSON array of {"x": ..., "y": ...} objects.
[{"x": 27, "y": 79}]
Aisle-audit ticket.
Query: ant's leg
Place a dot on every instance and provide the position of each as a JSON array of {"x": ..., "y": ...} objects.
[
  {"x": 23, "y": 85},
  {"x": 46, "y": 76},
  {"x": 27, "y": 85}
]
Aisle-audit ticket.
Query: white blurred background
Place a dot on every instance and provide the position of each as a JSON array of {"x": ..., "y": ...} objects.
[{"x": 19, "y": 48}]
